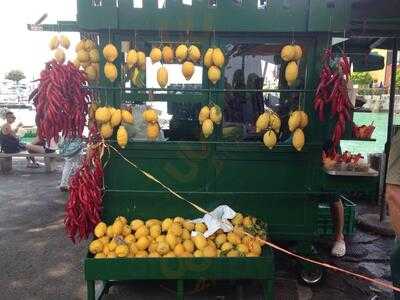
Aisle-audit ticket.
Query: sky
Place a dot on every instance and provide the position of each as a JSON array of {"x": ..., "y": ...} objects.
[{"x": 25, "y": 50}]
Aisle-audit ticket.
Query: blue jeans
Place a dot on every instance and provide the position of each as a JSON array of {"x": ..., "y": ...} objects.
[{"x": 395, "y": 267}]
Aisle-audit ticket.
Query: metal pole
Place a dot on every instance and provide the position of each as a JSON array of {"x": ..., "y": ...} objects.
[{"x": 390, "y": 122}]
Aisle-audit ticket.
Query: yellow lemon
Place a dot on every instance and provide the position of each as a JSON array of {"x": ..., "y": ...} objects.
[
  {"x": 80, "y": 46},
  {"x": 142, "y": 243},
  {"x": 64, "y": 41},
  {"x": 110, "y": 232},
  {"x": 171, "y": 240},
  {"x": 185, "y": 234},
  {"x": 155, "y": 55},
  {"x": 166, "y": 224},
  {"x": 218, "y": 57},
  {"x": 91, "y": 73},
  {"x": 237, "y": 219},
  {"x": 141, "y": 60},
  {"x": 94, "y": 56},
  {"x": 233, "y": 253},
  {"x": 220, "y": 239},
  {"x": 110, "y": 53},
  {"x": 100, "y": 230},
  {"x": 169, "y": 254},
  {"x": 175, "y": 229},
  {"x": 200, "y": 227},
  {"x": 216, "y": 114},
  {"x": 188, "y": 245},
  {"x": 106, "y": 130},
  {"x": 162, "y": 77},
  {"x": 298, "y": 139},
  {"x": 96, "y": 247},
  {"x": 116, "y": 118},
  {"x": 155, "y": 230},
  {"x": 122, "y": 137},
  {"x": 154, "y": 255},
  {"x": 142, "y": 232},
  {"x": 141, "y": 254},
  {"x": 179, "y": 250},
  {"x": 189, "y": 225},
  {"x": 298, "y": 52},
  {"x": 214, "y": 74},
  {"x": 204, "y": 114},
  {"x": 226, "y": 246},
  {"x": 233, "y": 238},
  {"x": 198, "y": 253},
  {"x": 150, "y": 115},
  {"x": 200, "y": 241},
  {"x": 100, "y": 255},
  {"x": 181, "y": 52},
  {"x": 291, "y": 71},
  {"x": 153, "y": 131},
  {"x": 242, "y": 248},
  {"x": 118, "y": 226},
  {"x": 270, "y": 139},
  {"x": 54, "y": 43},
  {"x": 207, "y": 128},
  {"x": 209, "y": 251},
  {"x": 304, "y": 120},
  {"x": 167, "y": 54},
  {"x": 59, "y": 56},
  {"x": 136, "y": 224},
  {"x": 188, "y": 69},
  {"x": 288, "y": 53},
  {"x": 122, "y": 250},
  {"x": 110, "y": 71},
  {"x": 275, "y": 122},
  {"x": 126, "y": 230},
  {"x": 127, "y": 117},
  {"x": 262, "y": 122},
  {"x": 131, "y": 58},
  {"x": 194, "y": 53},
  {"x": 129, "y": 239},
  {"x": 208, "y": 58},
  {"x": 294, "y": 121}
]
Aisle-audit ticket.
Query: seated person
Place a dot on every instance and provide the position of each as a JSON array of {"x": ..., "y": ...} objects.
[
  {"x": 10, "y": 143},
  {"x": 9, "y": 140}
]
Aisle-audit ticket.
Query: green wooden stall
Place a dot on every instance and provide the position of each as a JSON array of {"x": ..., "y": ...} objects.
[{"x": 281, "y": 186}]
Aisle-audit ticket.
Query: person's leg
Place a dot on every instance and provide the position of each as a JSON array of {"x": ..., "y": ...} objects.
[
  {"x": 395, "y": 268},
  {"x": 34, "y": 149},
  {"x": 337, "y": 213},
  {"x": 66, "y": 173}
]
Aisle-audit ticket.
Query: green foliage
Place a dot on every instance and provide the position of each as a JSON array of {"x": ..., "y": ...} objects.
[
  {"x": 398, "y": 79},
  {"x": 361, "y": 78},
  {"x": 15, "y": 75}
]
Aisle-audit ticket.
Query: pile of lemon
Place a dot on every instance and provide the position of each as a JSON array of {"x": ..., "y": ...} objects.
[
  {"x": 291, "y": 54},
  {"x": 55, "y": 43},
  {"x": 208, "y": 116},
  {"x": 108, "y": 117},
  {"x": 88, "y": 58},
  {"x": 175, "y": 237}
]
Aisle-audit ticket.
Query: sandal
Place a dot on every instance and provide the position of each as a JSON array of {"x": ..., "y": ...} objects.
[{"x": 339, "y": 249}]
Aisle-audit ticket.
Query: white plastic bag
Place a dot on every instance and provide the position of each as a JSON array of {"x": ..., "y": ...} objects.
[{"x": 217, "y": 219}]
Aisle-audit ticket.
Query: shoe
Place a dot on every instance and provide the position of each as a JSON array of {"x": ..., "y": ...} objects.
[{"x": 339, "y": 249}]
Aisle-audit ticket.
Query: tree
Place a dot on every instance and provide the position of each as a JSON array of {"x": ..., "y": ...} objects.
[
  {"x": 398, "y": 78},
  {"x": 16, "y": 76},
  {"x": 361, "y": 78}
]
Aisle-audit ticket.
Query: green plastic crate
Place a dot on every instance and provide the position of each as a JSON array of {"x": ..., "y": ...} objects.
[{"x": 325, "y": 224}]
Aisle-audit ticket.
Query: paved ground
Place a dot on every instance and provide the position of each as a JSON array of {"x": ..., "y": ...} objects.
[{"x": 37, "y": 261}]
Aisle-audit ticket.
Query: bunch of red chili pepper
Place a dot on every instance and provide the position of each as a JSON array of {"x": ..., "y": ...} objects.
[
  {"x": 83, "y": 208},
  {"x": 332, "y": 90},
  {"x": 61, "y": 101}
]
